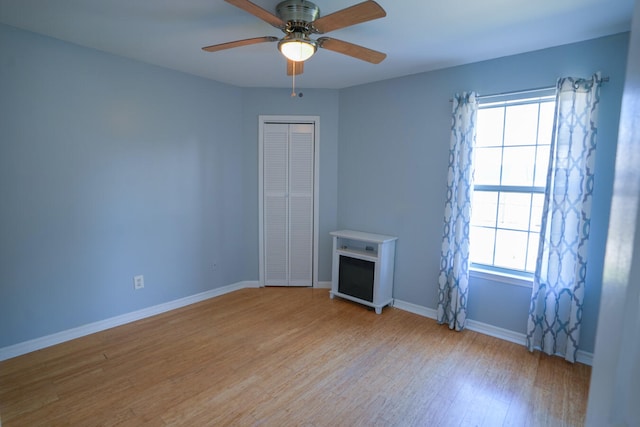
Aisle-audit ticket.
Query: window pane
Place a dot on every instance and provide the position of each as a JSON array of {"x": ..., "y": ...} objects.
[
  {"x": 510, "y": 168},
  {"x": 518, "y": 166},
  {"x": 485, "y": 205},
  {"x": 490, "y": 125},
  {"x": 536, "y": 212},
  {"x": 481, "y": 242},
  {"x": 545, "y": 125},
  {"x": 542, "y": 165},
  {"x": 511, "y": 249},
  {"x": 532, "y": 255},
  {"x": 521, "y": 126},
  {"x": 513, "y": 211},
  {"x": 487, "y": 166}
]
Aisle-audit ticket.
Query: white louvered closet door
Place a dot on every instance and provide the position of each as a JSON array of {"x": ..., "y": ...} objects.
[{"x": 288, "y": 204}]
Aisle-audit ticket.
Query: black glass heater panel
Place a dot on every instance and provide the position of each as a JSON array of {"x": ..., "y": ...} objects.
[{"x": 355, "y": 277}]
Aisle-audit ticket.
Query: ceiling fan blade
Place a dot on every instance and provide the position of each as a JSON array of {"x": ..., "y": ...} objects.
[
  {"x": 238, "y": 43},
  {"x": 356, "y": 14},
  {"x": 351, "y": 49},
  {"x": 297, "y": 66},
  {"x": 259, "y": 12}
]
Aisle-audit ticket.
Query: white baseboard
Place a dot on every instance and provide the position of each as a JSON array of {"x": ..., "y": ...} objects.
[
  {"x": 323, "y": 285},
  {"x": 101, "y": 325},
  {"x": 248, "y": 284},
  {"x": 415, "y": 309},
  {"x": 584, "y": 357},
  {"x": 497, "y": 332},
  {"x": 484, "y": 328}
]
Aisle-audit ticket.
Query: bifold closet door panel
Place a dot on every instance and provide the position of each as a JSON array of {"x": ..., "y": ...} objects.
[
  {"x": 275, "y": 182},
  {"x": 301, "y": 149}
]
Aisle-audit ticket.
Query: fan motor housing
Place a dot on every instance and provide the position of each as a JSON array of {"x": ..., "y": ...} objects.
[{"x": 297, "y": 11}]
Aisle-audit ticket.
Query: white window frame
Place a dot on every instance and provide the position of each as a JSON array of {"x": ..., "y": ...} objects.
[{"x": 490, "y": 272}]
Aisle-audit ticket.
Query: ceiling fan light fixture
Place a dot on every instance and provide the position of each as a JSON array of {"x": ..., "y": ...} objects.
[{"x": 297, "y": 47}]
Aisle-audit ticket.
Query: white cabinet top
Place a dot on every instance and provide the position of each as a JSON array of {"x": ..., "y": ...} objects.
[{"x": 362, "y": 236}]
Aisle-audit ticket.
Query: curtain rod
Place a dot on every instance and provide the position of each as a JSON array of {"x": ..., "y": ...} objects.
[
  {"x": 518, "y": 92},
  {"x": 521, "y": 92}
]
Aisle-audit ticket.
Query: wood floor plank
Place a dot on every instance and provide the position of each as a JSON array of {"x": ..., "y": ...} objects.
[{"x": 282, "y": 356}]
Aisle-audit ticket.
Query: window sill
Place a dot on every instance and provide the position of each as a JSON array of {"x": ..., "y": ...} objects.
[{"x": 510, "y": 279}]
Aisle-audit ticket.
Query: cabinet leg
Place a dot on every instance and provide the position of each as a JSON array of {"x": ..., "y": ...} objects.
[
  {"x": 378, "y": 310},
  {"x": 331, "y": 295}
]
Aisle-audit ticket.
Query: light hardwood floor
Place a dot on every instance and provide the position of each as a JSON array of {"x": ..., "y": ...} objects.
[{"x": 280, "y": 357}]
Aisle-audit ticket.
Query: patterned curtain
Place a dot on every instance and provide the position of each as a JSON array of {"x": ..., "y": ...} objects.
[
  {"x": 555, "y": 312},
  {"x": 453, "y": 279}
]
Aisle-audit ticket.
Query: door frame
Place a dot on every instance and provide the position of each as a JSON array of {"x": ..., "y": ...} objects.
[{"x": 289, "y": 119}]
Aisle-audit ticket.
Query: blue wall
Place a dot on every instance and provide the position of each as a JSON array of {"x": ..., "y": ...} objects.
[
  {"x": 392, "y": 157},
  {"x": 110, "y": 168}
]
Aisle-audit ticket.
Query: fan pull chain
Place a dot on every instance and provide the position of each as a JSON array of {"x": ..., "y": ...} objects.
[{"x": 293, "y": 84}]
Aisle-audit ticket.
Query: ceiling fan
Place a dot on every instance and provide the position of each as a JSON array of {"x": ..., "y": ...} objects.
[{"x": 298, "y": 19}]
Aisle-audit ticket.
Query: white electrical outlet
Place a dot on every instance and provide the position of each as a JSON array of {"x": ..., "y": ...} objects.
[{"x": 138, "y": 281}]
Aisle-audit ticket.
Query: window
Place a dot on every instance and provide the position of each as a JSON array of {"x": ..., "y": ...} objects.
[{"x": 513, "y": 140}]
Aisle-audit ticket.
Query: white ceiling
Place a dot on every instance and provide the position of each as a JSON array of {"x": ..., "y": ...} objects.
[{"x": 417, "y": 35}]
